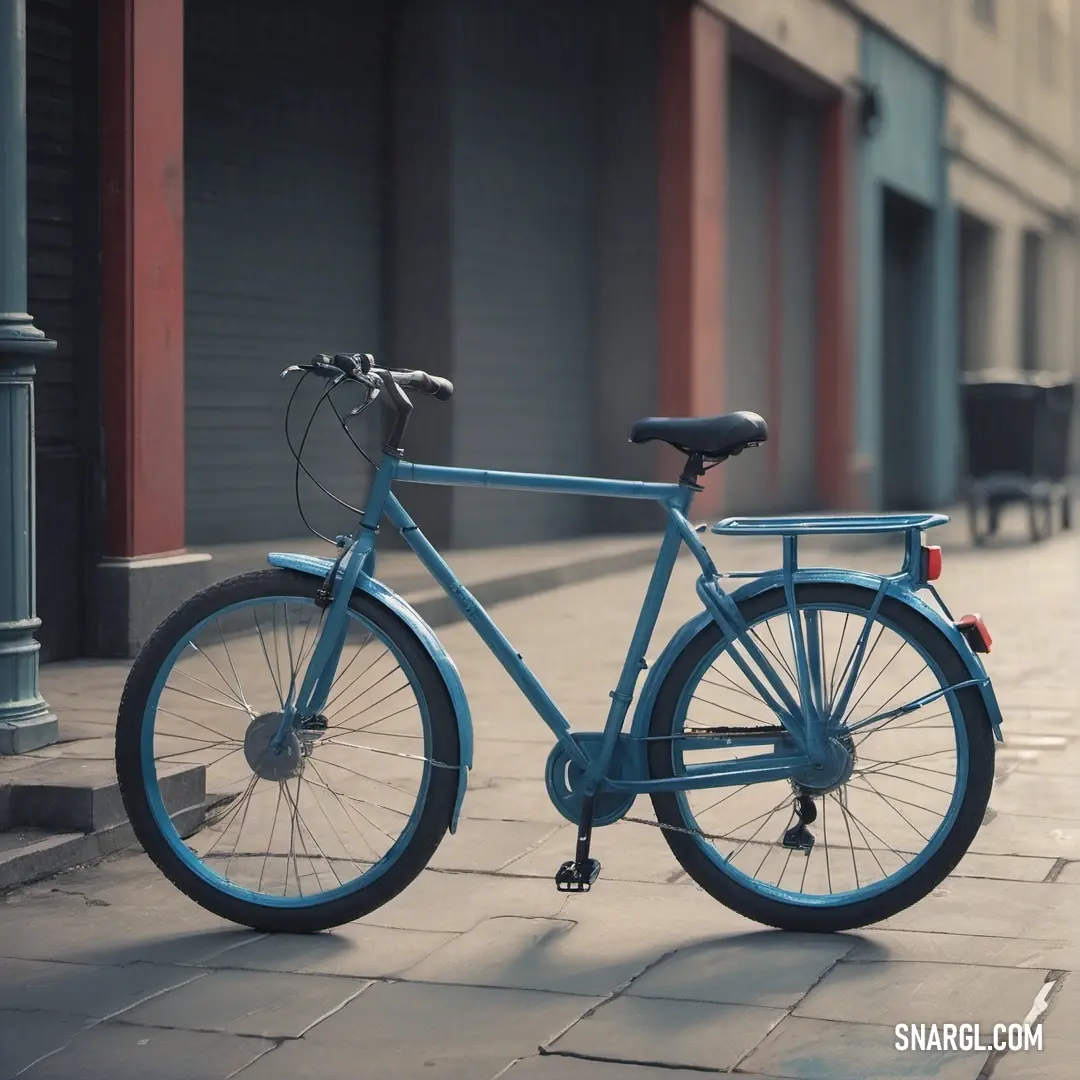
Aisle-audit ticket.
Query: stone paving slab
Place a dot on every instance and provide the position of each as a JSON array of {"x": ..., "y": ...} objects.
[
  {"x": 405, "y": 1030},
  {"x": 690, "y": 1034},
  {"x": 627, "y": 852},
  {"x": 489, "y": 845},
  {"x": 824, "y": 1050},
  {"x": 918, "y": 993},
  {"x": 769, "y": 969},
  {"x": 26, "y": 1037},
  {"x": 558, "y": 1067},
  {"x": 249, "y": 1003},
  {"x": 875, "y": 944},
  {"x": 1017, "y": 909},
  {"x": 356, "y": 949},
  {"x": 92, "y": 992},
  {"x": 343, "y": 1061},
  {"x": 1059, "y": 1058},
  {"x": 117, "y": 1051}
]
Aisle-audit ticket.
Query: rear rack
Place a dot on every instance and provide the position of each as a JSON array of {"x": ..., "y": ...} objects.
[
  {"x": 824, "y": 524},
  {"x": 791, "y": 528}
]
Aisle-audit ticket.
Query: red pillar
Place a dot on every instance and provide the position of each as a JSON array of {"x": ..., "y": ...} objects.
[
  {"x": 142, "y": 274},
  {"x": 836, "y": 311},
  {"x": 693, "y": 107}
]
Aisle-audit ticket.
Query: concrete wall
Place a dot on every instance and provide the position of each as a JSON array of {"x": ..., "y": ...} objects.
[
  {"x": 905, "y": 157},
  {"x": 1011, "y": 129}
]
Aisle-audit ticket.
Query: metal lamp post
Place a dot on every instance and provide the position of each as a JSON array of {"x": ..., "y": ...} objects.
[{"x": 26, "y": 722}]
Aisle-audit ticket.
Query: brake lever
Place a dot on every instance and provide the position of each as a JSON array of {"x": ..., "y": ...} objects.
[
  {"x": 324, "y": 371},
  {"x": 372, "y": 398}
]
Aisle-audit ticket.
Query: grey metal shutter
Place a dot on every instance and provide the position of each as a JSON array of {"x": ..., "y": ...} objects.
[
  {"x": 746, "y": 312},
  {"x": 800, "y": 171},
  {"x": 284, "y": 128},
  {"x": 50, "y": 288},
  {"x": 525, "y": 243},
  {"x": 771, "y": 288}
]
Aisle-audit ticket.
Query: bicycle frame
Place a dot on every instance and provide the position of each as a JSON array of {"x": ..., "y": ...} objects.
[{"x": 805, "y": 723}]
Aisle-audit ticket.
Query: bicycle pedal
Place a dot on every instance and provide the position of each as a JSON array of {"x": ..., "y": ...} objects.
[{"x": 577, "y": 877}]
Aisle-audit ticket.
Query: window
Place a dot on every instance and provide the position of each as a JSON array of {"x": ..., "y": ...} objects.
[{"x": 985, "y": 12}]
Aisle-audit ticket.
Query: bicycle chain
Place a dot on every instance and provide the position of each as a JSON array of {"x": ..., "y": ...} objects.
[{"x": 678, "y": 829}]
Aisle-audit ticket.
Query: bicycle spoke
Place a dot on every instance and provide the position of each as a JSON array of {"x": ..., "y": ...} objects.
[
  {"x": 232, "y": 666},
  {"x": 342, "y": 672},
  {"x": 269, "y": 667},
  {"x": 270, "y": 842},
  {"x": 202, "y": 682},
  {"x": 356, "y": 828},
  {"x": 362, "y": 776},
  {"x": 207, "y": 701},
  {"x": 194, "y": 723},
  {"x": 367, "y": 690},
  {"x": 873, "y": 681},
  {"x": 836, "y": 660},
  {"x": 890, "y": 804}
]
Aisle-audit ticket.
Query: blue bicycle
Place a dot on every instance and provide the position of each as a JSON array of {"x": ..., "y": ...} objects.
[{"x": 818, "y": 744}]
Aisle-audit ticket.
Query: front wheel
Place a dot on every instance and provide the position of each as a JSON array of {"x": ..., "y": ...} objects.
[
  {"x": 875, "y": 838},
  {"x": 336, "y": 821}
]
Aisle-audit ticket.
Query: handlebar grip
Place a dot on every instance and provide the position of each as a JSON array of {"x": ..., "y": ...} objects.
[{"x": 438, "y": 388}]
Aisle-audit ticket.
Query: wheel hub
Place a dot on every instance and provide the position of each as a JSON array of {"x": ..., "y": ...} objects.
[
  {"x": 839, "y": 764},
  {"x": 266, "y": 762}
]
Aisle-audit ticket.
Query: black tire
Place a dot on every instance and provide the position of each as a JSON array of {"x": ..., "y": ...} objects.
[
  {"x": 441, "y": 791},
  {"x": 687, "y": 849}
]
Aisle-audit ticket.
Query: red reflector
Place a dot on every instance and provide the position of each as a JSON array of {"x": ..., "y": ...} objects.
[
  {"x": 931, "y": 563},
  {"x": 974, "y": 629}
]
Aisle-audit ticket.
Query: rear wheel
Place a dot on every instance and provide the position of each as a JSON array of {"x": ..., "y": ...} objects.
[
  {"x": 886, "y": 830},
  {"x": 338, "y": 822}
]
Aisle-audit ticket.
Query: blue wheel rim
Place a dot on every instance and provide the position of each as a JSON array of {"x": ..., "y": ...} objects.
[
  {"x": 885, "y": 884},
  {"x": 189, "y": 859}
]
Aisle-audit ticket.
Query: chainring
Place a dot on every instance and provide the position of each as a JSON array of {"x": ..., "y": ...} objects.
[{"x": 563, "y": 777}]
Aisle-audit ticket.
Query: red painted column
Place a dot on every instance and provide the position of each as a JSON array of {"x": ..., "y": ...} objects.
[
  {"x": 837, "y": 311},
  {"x": 142, "y": 274},
  {"x": 693, "y": 107}
]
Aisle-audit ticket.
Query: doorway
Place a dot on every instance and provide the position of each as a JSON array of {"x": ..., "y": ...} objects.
[
  {"x": 976, "y": 257},
  {"x": 906, "y": 346}
]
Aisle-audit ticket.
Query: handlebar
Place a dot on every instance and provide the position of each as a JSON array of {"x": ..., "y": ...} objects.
[
  {"x": 386, "y": 384},
  {"x": 360, "y": 367}
]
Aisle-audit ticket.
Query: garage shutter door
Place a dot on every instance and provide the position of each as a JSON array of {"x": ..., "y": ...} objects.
[
  {"x": 771, "y": 285},
  {"x": 284, "y": 120},
  {"x": 60, "y": 391},
  {"x": 526, "y": 174}
]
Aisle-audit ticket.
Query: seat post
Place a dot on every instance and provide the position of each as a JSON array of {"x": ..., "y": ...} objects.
[{"x": 693, "y": 470}]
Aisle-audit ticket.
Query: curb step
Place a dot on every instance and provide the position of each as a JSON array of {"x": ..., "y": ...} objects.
[{"x": 63, "y": 813}]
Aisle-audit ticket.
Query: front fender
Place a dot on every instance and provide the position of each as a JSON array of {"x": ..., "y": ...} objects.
[
  {"x": 775, "y": 580},
  {"x": 320, "y": 568}
]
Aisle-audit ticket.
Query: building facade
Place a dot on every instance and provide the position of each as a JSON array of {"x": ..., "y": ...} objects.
[{"x": 822, "y": 210}]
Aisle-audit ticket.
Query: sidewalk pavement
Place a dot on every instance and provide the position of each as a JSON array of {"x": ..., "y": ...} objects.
[{"x": 481, "y": 969}]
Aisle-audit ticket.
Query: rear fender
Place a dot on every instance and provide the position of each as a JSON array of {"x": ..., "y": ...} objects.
[
  {"x": 775, "y": 580},
  {"x": 320, "y": 568}
]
